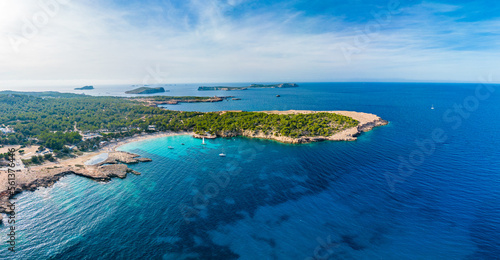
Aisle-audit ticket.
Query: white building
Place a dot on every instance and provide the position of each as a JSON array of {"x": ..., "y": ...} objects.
[
  {"x": 7, "y": 130},
  {"x": 90, "y": 136}
]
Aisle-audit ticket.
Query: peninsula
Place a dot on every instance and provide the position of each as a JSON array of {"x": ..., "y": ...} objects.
[
  {"x": 302, "y": 126},
  {"x": 283, "y": 85},
  {"x": 85, "y": 88},
  {"x": 146, "y": 90}
]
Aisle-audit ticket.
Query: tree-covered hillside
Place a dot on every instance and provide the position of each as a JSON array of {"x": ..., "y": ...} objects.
[{"x": 293, "y": 125}]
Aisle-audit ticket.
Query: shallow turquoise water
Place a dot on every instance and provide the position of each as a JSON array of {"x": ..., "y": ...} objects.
[
  {"x": 267, "y": 200},
  {"x": 97, "y": 159}
]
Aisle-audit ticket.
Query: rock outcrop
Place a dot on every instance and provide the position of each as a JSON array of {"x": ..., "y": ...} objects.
[
  {"x": 123, "y": 157},
  {"x": 114, "y": 167}
]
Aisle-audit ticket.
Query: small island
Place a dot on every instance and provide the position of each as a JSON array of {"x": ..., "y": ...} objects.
[
  {"x": 85, "y": 88},
  {"x": 224, "y": 88},
  {"x": 155, "y": 101},
  {"x": 146, "y": 90},
  {"x": 114, "y": 166}
]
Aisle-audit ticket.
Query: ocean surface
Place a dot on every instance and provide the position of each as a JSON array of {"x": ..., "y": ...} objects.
[{"x": 426, "y": 186}]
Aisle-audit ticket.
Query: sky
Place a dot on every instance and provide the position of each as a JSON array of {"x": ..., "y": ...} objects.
[{"x": 67, "y": 42}]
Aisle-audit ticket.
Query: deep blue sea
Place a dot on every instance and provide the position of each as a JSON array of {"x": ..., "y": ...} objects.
[{"x": 426, "y": 186}]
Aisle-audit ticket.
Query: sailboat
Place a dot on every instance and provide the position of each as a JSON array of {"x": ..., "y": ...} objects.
[{"x": 203, "y": 141}]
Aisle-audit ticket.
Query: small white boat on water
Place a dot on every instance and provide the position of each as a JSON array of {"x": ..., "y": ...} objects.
[
  {"x": 432, "y": 107},
  {"x": 222, "y": 155},
  {"x": 203, "y": 141},
  {"x": 170, "y": 147}
]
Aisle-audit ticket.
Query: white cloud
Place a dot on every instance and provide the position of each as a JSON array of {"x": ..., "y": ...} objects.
[{"x": 96, "y": 43}]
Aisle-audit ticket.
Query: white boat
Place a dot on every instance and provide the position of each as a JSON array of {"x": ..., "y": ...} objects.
[
  {"x": 170, "y": 147},
  {"x": 222, "y": 155},
  {"x": 203, "y": 141},
  {"x": 432, "y": 107}
]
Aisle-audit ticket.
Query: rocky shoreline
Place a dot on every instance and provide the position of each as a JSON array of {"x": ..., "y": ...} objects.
[{"x": 115, "y": 166}]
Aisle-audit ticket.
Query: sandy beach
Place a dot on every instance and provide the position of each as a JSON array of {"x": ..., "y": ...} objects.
[{"x": 114, "y": 147}]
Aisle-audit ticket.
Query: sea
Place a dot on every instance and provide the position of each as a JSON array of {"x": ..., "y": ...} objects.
[{"x": 425, "y": 186}]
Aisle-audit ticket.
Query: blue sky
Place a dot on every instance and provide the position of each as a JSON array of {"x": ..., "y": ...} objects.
[{"x": 194, "y": 41}]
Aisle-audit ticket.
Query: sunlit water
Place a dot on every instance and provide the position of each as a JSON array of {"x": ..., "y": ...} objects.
[{"x": 266, "y": 200}]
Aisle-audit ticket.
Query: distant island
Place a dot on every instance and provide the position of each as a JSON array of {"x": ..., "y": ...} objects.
[
  {"x": 125, "y": 117},
  {"x": 146, "y": 90},
  {"x": 85, "y": 88},
  {"x": 282, "y": 85},
  {"x": 155, "y": 101}
]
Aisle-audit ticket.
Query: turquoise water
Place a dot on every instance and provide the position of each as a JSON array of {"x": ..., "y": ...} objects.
[
  {"x": 97, "y": 159},
  {"x": 266, "y": 200}
]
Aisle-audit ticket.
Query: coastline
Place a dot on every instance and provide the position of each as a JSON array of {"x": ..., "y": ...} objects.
[
  {"x": 133, "y": 139},
  {"x": 116, "y": 162},
  {"x": 45, "y": 175}
]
